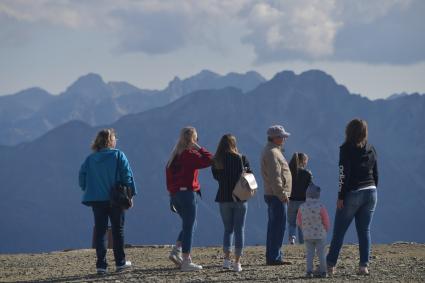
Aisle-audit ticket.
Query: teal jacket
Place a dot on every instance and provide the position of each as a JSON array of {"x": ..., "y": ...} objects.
[{"x": 97, "y": 175}]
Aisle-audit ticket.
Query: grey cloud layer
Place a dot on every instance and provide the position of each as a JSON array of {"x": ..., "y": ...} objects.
[{"x": 375, "y": 31}]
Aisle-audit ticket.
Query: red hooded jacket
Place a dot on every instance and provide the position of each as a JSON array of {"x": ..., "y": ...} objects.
[{"x": 183, "y": 171}]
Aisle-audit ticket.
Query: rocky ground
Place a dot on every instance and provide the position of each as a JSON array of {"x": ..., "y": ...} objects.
[{"x": 401, "y": 262}]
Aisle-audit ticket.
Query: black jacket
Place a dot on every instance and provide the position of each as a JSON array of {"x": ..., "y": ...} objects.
[
  {"x": 229, "y": 175},
  {"x": 300, "y": 184},
  {"x": 358, "y": 168}
]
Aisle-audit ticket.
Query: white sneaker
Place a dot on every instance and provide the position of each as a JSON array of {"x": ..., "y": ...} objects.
[
  {"x": 292, "y": 240},
  {"x": 227, "y": 264},
  {"x": 123, "y": 267},
  {"x": 237, "y": 267},
  {"x": 188, "y": 265},
  {"x": 176, "y": 256}
]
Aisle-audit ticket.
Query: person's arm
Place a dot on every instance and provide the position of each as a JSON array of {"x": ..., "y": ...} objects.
[
  {"x": 299, "y": 218},
  {"x": 216, "y": 172},
  {"x": 276, "y": 179},
  {"x": 375, "y": 169},
  {"x": 82, "y": 175},
  {"x": 199, "y": 158},
  {"x": 246, "y": 164},
  {"x": 126, "y": 174},
  {"x": 325, "y": 218},
  {"x": 344, "y": 173}
]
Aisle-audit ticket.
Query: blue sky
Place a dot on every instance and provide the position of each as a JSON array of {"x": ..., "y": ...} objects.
[{"x": 374, "y": 47}]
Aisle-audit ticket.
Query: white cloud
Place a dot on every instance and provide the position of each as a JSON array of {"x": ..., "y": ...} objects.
[{"x": 276, "y": 29}]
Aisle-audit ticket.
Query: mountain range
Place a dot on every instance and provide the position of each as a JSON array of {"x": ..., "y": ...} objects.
[
  {"x": 41, "y": 198},
  {"x": 31, "y": 113}
]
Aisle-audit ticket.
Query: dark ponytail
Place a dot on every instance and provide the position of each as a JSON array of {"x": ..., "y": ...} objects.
[{"x": 293, "y": 165}]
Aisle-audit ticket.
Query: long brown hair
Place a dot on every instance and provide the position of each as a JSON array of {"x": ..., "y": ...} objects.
[
  {"x": 227, "y": 144},
  {"x": 104, "y": 139},
  {"x": 297, "y": 162},
  {"x": 356, "y": 132},
  {"x": 187, "y": 136}
]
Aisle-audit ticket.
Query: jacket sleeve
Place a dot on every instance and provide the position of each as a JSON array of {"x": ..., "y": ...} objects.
[
  {"x": 126, "y": 174},
  {"x": 246, "y": 164},
  {"x": 275, "y": 173},
  {"x": 299, "y": 218},
  {"x": 215, "y": 173},
  {"x": 201, "y": 158},
  {"x": 375, "y": 169},
  {"x": 344, "y": 172},
  {"x": 82, "y": 175}
]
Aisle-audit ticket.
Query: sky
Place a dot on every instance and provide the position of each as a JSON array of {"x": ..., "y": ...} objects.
[{"x": 374, "y": 47}]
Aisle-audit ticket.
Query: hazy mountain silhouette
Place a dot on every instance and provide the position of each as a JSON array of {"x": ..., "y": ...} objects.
[
  {"x": 41, "y": 198},
  {"x": 31, "y": 113}
]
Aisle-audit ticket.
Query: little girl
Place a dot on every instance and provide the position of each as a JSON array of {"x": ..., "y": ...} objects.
[{"x": 313, "y": 219}]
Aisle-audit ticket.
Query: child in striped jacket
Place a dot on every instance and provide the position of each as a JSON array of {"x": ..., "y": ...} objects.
[{"x": 313, "y": 219}]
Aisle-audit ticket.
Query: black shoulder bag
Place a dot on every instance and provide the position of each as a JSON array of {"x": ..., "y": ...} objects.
[{"x": 121, "y": 194}]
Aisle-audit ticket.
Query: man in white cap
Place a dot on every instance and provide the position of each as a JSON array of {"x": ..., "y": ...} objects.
[{"x": 277, "y": 189}]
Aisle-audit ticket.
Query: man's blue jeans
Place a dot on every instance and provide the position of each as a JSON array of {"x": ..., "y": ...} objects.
[
  {"x": 103, "y": 211},
  {"x": 186, "y": 204},
  {"x": 292, "y": 220},
  {"x": 359, "y": 205},
  {"x": 233, "y": 215},
  {"x": 275, "y": 228}
]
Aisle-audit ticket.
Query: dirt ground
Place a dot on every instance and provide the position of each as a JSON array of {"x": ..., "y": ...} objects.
[{"x": 401, "y": 262}]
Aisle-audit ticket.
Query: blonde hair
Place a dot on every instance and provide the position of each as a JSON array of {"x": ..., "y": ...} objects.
[
  {"x": 187, "y": 136},
  {"x": 104, "y": 139}
]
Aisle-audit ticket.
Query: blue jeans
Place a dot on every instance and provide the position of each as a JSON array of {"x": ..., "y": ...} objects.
[
  {"x": 359, "y": 205},
  {"x": 315, "y": 247},
  {"x": 275, "y": 228},
  {"x": 292, "y": 220},
  {"x": 186, "y": 204},
  {"x": 233, "y": 215},
  {"x": 103, "y": 211}
]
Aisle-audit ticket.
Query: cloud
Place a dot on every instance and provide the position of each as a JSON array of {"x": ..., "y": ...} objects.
[{"x": 277, "y": 30}]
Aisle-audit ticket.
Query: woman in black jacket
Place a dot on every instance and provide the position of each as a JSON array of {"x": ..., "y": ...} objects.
[
  {"x": 357, "y": 196},
  {"x": 227, "y": 169}
]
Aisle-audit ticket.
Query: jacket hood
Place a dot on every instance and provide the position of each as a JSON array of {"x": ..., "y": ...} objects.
[{"x": 104, "y": 155}]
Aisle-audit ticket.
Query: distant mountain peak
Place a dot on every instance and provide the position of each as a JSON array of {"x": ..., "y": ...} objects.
[{"x": 89, "y": 82}]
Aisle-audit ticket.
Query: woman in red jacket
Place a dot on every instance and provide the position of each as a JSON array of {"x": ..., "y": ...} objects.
[{"x": 182, "y": 184}]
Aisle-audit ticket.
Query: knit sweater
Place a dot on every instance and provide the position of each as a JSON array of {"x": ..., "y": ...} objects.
[
  {"x": 184, "y": 170},
  {"x": 313, "y": 219},
  {"x": 275, "y": 172},
  {"x": 229, "y": 175}
]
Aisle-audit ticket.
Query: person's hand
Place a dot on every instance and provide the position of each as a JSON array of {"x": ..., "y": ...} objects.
[
  {"x": 131, "y": 203},
  {"x": 340, "y": 204},
  {"x": 196, "y": 146},
  {"x": 285, "y": 199}
]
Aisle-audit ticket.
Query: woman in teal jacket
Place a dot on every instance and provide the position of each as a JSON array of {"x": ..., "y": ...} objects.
[{"x": 97, "y": 176}]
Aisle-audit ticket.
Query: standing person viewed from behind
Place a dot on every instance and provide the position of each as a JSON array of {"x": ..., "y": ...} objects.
[
  {"x": 227, "y": 169},
  {"x": 301, "y": 179},
  {"x": 313, "y": 219},
  {"x": 182, "y": 172},
  {"x": 277, "y": 188},
  {"x": 97, "y": 176},
  {"x": 357, "y": 196}
]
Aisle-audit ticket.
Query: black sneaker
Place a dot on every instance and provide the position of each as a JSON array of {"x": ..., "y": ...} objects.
[
  {"x": 309, "y": 274},
  {"x": 101, "y": 271},
  {"x": 123, "y": 267}
]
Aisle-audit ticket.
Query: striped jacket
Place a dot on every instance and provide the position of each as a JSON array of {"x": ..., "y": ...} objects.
[{"x": 229, "y": 175}]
